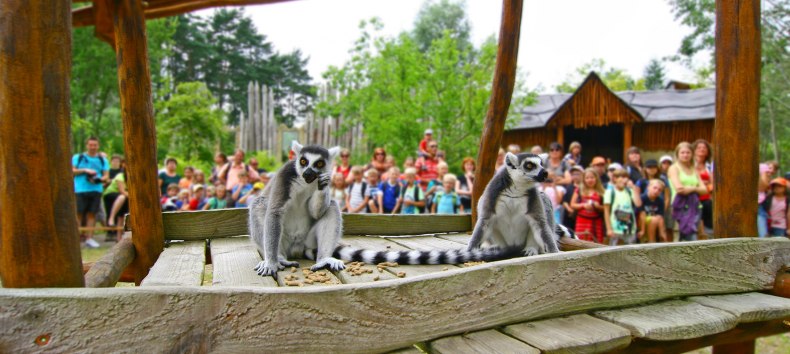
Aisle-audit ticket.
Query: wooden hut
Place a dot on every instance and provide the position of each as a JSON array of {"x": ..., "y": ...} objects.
[
  {"x": 659, "y": 298},
  {"x": 607, "y": 123}
]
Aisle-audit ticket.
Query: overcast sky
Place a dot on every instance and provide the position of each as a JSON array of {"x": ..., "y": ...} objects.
[{"x": 557, "y": 36}]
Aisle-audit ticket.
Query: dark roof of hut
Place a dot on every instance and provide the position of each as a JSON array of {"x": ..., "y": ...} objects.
[{"x": 653, "y": 106}]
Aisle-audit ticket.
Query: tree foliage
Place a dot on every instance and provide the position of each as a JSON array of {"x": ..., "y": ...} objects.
[
  {"x": 190, "y": 122},
  {"x": 435, "y": 18},
  {"x": 614, "y": 78},
  {"x": 654, "y": 75}
]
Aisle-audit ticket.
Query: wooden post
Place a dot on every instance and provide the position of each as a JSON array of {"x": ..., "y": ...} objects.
[
  {"x": 628, "y": 128},
  {"x": 501, "y": 93},
  {"x": 737, "y": 112},
  {"x": 139, "y": 134},
  {"x": 560, "y": 137},
  {"x": 39, "y": 245},
  {"x": 737, "y": 109}
]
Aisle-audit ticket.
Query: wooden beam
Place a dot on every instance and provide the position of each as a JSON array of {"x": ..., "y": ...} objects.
[
  {"x": 501, "y": 94},
  {"x": 347, "y": 318},
  {"x": 628, "y": 128},
  {"x": 39, "y": 246},
  {"x": 139, "y": 133},
  {"x": 737, "y": 109},
  {"x": 106, "y": 271}
]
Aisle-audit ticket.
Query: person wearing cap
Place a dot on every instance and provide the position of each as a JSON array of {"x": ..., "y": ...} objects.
[
  {"x": 776, "y": 204},
  {"x": 614, "y": 166},
  {"x": 426, "y": 140},
  {"x": 197, "y": 202},
  {"x": 248, "y": 199},
  {"x": 598, "y": 163},
  {"x": 557, "y": 165},
  {"x": 663, "y": 163}
]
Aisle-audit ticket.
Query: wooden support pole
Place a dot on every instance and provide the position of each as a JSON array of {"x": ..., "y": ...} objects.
[
  {"x": 501, "y": 93},
  {"x": 560, "y": 136},
  {"x": 628, "y": 129},
  {"x": 139, "y": 134},
  {"x": 39, "y": 245},
  {"x": 105, "y": 272},
  {"x": 737, "y": 109}
]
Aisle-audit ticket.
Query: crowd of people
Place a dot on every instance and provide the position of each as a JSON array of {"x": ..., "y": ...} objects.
[{"x": 606, "y": 202}]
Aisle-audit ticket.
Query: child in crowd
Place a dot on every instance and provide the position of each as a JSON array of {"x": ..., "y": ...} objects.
[
  {"x": 241, "y": 189},
  {"x": 257, "y": 189},
  {"x": 170, "y": 200},
  {"x": 423, "y": 149},
  {"x": 197, "y": 202},
  {"x": 338, "y": 190},
  {"x": 183, "y": 200},
  {"x": 619, "y": 203},
  {"x": 219, "y": 201},
  {"x": 568, "y": 214},
  {"x": 372, "y": 191},
  {"x": 355, "y": 196},
  {"x": 412, "y": 195},
  {"x": 446, "y": 201},
  {"x": 588, "y": 203},
  {"x": 189, "y": 175},
  {"x": 435, "y": 185},
  {"x": 389, "y": 198},
  {"x": 555, "y": 193},
  {"x": 776, "y": 204},
  {"x": 651, "y": 217}
]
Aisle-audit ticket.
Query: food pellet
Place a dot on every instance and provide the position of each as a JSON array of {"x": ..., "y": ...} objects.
[
  {"x": 376, "y": 278},
  {"x": 401, "y": 274},
  {"x": 292, "y": 283}
]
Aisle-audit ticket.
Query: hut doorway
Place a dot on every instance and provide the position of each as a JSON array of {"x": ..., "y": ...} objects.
[{"x": 606, "y": 141}]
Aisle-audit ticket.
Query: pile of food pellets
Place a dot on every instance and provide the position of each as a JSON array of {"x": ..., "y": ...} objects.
[{"x": 310, "y": 277}]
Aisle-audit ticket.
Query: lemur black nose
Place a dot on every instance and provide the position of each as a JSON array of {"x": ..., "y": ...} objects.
[
  {"x": 309, "y": 175},
  {"x": 542, "y": 175}
]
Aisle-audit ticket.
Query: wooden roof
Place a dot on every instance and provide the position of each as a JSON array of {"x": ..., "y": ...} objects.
[{"x": 593, "y": 104}]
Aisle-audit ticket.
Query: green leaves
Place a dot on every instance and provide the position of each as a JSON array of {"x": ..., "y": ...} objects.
[{"x": 190, "y": 123}]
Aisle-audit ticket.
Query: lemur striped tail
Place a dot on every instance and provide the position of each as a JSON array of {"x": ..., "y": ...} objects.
[{"x": 347, "y": 253}]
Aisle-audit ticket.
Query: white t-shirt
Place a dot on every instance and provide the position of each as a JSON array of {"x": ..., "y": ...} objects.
[
  {"x": 355, "y": 197},
  {"x": 552, "y": 194}
]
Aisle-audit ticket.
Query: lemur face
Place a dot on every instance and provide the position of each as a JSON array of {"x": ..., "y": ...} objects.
[
  {"x": 526, "y": 167},
  {"x": 313, "y": 161}
]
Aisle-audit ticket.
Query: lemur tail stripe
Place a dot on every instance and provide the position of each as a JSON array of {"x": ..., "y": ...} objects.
[{"x": 347, "y": 253}]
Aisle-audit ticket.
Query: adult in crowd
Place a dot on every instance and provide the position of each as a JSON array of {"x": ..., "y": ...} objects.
[
  {"x": 426, "y": 165},
  {"x": 230, "y": 172},
  {"x": 426, "y": 140},
  {"x": 344, "y": 167},
  {"x": 116, "y": 202},
  {"x": 633, "y": 164},
  {"x": 537, "y": 150},
  {"x": 253, "y": 162},
  {"x": 169, "y": 175},
  {"x": 557, "y": 165},
  {"x": 220, "y": 160},
  {"x": 598, "y": 164},
  {"x": 465, "y": 183},
  {"x": 574, "y": 155},
  {"x": 379, "y": 161},
  {"x": 90, "y": 172},
  {"x": 115, "y": 166},
  {"x": 702, "y": 163},
  {"x": 514, "y": 149},
  {"x": 686, "y": 188}
]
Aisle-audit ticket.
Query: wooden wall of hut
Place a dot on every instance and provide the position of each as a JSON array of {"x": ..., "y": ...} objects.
[
  {"x": 258, "y": 130},
  {"x": 666, "y": 135},
  {"x": 333, "y": 131},
  {"x": 593, "y": 104},
  {"x": 527, "y": 138}
]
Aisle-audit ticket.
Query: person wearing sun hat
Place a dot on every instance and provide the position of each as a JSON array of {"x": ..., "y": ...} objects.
[{"x": 776, "y": 204}]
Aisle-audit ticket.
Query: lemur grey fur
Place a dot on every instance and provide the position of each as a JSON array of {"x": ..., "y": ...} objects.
[
  {"x": 296, "y": 217},
  {"x": 511, "y": 212}
]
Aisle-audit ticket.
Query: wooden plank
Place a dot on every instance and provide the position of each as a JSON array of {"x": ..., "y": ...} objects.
[
  {"x": 234, "y": 260},
  {"x": 749, "y": 307},
  {"x": 738, "y": 64},
  {"x": 39, "y": 246},
  {"x": 139, "y": 132},
  {"x": 377, "y": 243},
  {"x": 181, "y": 264},
  {"x": 572, "y": 334},
  {"x": 427, "y": 243},
  {"x": 348, "y": 318},
  {"x": 483, "y": 342},
  {"x": 501, "y": 94},
  {"x": 297, "y": 275},
  {"x": 460, "y": 238},
  {"x": 671, "y": 320},
  {"x": 108, "y": 269}
]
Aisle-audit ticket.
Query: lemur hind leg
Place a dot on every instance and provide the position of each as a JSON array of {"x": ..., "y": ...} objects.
[{"x": 324, "y": 236}]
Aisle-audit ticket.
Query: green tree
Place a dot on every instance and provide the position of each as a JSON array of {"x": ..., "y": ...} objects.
[
  {"x": 190, "y": 122},
  {"x": 654, "y": 75},
  {"x": 614, "y": 78},
  {"x": 435, "y": 18}
]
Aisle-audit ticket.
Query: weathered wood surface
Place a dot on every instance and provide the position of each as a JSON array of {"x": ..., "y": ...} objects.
[
  {"x": 414, "y": 309},
  {"x": 749, "y": 307},
  {"x": 234, "y": 260},
  {"x": 501, "y": 94},
  {"x": 39, "y": 246},
  {"x": 108, "y": 269},
  {"x": 199, "y": 225},
  {"x": 181, "y": 264},
  {"x": 671, "y": 320},
  {"x": 483, "y": 342},
  {"x": 408, "y": 350},
  {"x": 427, "y": 243},
  {"x": 572, "y": 334},
  {"x": 462, "y": 238},
  {"x": 737, "y": 110},
  {"x": 139, "y": 132}
]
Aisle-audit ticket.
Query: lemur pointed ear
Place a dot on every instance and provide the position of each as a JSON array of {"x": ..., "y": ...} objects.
[
  {"x": 544, "y": 159},
  {"x": 333, "y": 152},
  {"x": 296, "y": 147},
  {"x": 511, "y": 160}
]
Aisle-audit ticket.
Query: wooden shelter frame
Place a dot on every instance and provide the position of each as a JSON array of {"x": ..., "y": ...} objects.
[{"x": 39, "y": 247}]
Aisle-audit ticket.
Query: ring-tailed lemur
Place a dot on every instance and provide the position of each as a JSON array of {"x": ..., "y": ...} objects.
[
  {"x": 510, "y": 213},
  {"x": 296, "y": 217}
]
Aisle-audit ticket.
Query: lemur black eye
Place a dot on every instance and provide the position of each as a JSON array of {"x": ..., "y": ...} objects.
[
  {"x": 303, "y": 162},
  {"x": 320, "y": 164}
]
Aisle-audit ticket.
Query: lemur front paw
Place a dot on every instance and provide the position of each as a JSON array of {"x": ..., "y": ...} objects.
[
  {"x": 531, "y": 251},
  {"x": 329, "y": 262},
  {"x": 286, "y": 263},
  {"x": 323, "y": 181},
  {"x": 268, "y": 269}
]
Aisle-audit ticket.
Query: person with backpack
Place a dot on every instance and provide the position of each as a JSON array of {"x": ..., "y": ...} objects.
[
  {"x": 776, "y": 204},
  {"x": 447, "y": 201},
  {"x": 620, "y": 204},
  {"x": 91, "y": 171},
  {"x": 389, "y": 195},
  {"x": 229, "y": 175},
  {"x": 412, "y": 196}
]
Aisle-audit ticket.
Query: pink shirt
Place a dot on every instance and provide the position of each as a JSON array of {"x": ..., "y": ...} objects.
[
  {"x": 778, "y": 213},
  {"x": 233, "y": 174},
  {"x": 426, "y": 170}
]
